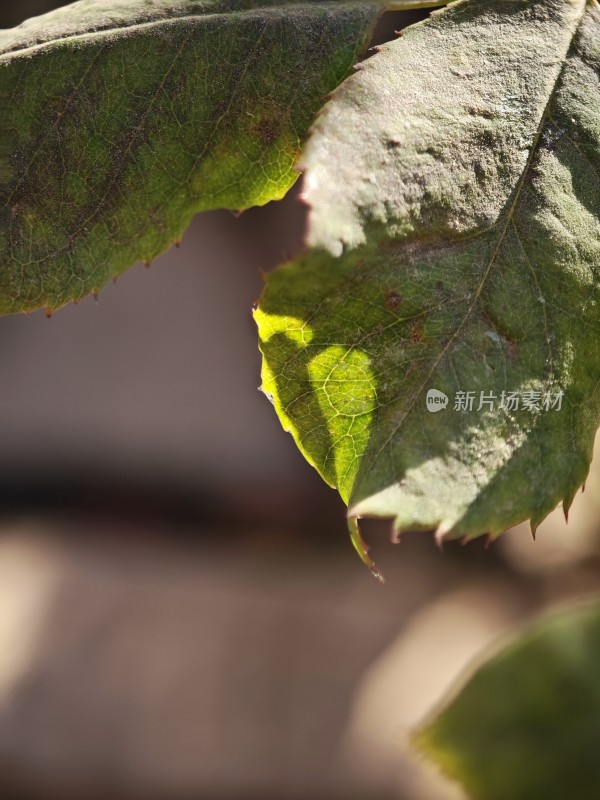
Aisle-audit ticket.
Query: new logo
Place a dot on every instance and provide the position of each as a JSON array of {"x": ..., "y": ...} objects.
[{"x": 436, "y": 400}]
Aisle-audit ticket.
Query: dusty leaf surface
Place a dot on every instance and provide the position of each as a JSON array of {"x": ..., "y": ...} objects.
[{"x": 454, "y": 245}]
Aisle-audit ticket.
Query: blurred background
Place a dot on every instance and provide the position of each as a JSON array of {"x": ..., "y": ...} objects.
[{"x": 181, "y": 613}]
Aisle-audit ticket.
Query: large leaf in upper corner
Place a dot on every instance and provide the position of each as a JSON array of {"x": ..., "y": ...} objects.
[
  {"x": 454, "y": 232},
  {"x": 121, "y": 119},
  {"x": 526, "y": 724}
]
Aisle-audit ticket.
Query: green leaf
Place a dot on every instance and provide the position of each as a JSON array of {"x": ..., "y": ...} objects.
[
  {"x": 120, "y": 120},
  {"x": 526, "y": 724},
  {"x": 454, "y": 193}
]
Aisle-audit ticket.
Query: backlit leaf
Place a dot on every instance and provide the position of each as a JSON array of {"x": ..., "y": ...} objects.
[{"x": 454, "y": 232}]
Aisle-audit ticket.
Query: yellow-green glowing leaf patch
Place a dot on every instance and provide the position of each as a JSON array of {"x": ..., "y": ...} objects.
[
  {"x": 526, "y": 724},
  {"x": 120, "y": 120},
  {"x": 448, "y": 374}
]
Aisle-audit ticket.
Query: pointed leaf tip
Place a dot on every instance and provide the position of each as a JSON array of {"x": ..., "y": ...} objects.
[{"x": 362, "y": 549}]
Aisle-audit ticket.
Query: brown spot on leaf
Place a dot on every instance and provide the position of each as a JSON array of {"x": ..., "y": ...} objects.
[
  {"x": 415, "y": 334},
  {"x": 511, "y": 346},
  {"x": 393, "y": 301},
  {"x": 268, "y": 131}
]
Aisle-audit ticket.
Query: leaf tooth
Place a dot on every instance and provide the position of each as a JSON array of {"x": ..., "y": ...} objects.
[
  {"x": 568, "y": 501},
  {"x": 537, "y": 519},
  {"x": 441, "y": 532},
  {"x": 575, "y": 487},
  {"x": 437, "y": 11},
  {"x": 533, "y": 530}
]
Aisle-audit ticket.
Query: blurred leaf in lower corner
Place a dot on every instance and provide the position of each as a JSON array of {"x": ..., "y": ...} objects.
[{"x": 526, "y": 724}]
